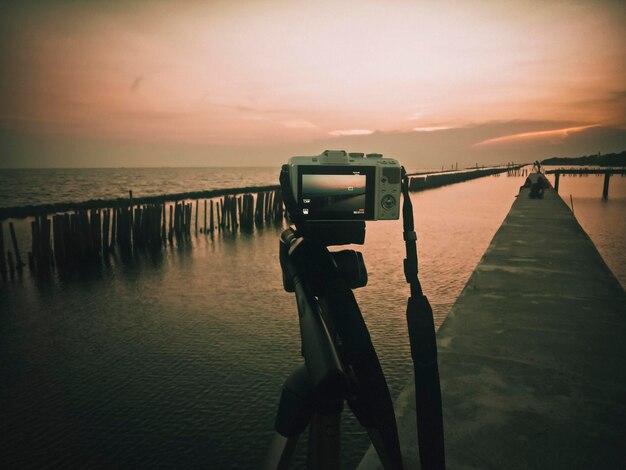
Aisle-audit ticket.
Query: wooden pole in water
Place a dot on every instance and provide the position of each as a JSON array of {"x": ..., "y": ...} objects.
[
  {"x": 47, "y": 246},
  {"x": 605, "y": 188},
  {"x": 18, "y": 258},
  {"x": 212, "y": 220},
  {"x": 186, "y": 218},
  {"x": 105, "y": 232},
  {"x": 258, "y": 212},
  {"x": 176, "y": 217},
  {"x": 98, "y": 232},
  {"x": 228, "y": 208},
  {"x": 74, "y": 239},
  {"x": 181, "y": 219},
  {"x": 226, "y": 212},
  {"x": 56, "y": 238},
  {"x": 130, "y": 204},
  {"x": 223, "y": 211},
  {"x": 185, "y": 209},
  {"x": 240, "y": 209},
  {"x": 113, "y": 228},
  {"x": 268, "y": 205},
  {"x": 197, "y": 203},
  {"x": 162, "y": 222},
  {"x": 205, "y": 216},
  {"x": 57, "y": 233},
  {"x": 120, "y": 226},
  {"x": 190, "y": 214},
  {"x": 35, "y": 244},
  {"x": 234, "y": 212},
  {"x": 68, "y": 245},
  {"x": 557, "y": 176},
  {"x": 218, "y": 206},
  {"x": 46, "y": 249},
  {"x": 170, "y": 233},
  {"x": 82, "y": 222}
]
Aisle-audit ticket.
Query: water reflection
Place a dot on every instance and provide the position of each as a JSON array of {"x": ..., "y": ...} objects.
[{"x": 177, "y": 358}]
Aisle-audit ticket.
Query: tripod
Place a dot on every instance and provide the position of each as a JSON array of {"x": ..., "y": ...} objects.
[{"x": 340, "y": 363}]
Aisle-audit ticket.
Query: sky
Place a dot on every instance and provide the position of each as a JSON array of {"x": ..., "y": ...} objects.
[{"x": 156, "y": 83}]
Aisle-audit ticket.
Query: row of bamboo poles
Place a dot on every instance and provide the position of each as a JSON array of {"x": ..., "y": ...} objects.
[
  {"x": 93, "y": 234},
  {"x": 436, "y": 180},
  {"x": 517, "y": 171}
]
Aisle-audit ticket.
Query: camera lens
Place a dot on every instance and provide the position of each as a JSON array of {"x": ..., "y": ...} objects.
[{"x": 388, "y": 202}]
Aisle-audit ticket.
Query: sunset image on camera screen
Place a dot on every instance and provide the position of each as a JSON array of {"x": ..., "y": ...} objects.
[{"x": 334, "y": 193}]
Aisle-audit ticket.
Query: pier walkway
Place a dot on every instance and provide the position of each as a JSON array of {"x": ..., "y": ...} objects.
[{"x": 532, "y": 354}]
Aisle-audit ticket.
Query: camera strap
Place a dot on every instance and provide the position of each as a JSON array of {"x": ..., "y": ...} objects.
[
  {"x": 421, "y": 326},
  {"x": 410, "y": 240},
  {"x": 288, "y": 199}
]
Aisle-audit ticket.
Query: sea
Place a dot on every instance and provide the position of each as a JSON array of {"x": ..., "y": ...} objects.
[{"x": 176, "y": 359}]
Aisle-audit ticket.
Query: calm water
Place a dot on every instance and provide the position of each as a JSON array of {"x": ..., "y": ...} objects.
[
  {"x": 177, "y": 359},
  {"x": 23, "y": 187}
]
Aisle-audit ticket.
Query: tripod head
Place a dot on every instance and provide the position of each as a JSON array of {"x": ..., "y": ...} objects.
[{"x": 299, "y": 251}]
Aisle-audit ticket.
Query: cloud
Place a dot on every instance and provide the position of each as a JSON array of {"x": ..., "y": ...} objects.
[
  {"x": 345, "y": 132},
  {"x": 553, "y": 135},
  {"x": 299, "y": 124},
  {"x": 414, "y": 116},
  {"x": 431, "y": 128}
]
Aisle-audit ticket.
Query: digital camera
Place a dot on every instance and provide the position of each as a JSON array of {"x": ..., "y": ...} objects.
[{"x": 346, "y": 187}]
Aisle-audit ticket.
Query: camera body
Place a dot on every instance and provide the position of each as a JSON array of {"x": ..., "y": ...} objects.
[{"x": 337, "y": 186}]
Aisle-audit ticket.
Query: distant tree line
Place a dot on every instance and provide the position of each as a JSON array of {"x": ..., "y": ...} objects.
[{"x": 610, "y": 159}]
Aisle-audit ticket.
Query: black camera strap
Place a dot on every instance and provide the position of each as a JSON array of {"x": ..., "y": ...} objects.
[
  {"x": 423, "y": 342},
  {"x": 288, "y": 199},
  {"x": 410, "y": 240}
]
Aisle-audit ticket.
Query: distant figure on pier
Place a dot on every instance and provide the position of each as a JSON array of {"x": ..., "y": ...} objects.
[
  {"x": 537, "y": 166},
  {"x": 537, "y": 188}
]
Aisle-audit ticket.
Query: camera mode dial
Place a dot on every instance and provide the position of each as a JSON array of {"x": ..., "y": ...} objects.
[{"x": 388, "y": 202}]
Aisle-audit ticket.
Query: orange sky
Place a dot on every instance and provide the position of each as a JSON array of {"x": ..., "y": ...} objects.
[{"x": 265, "y": 74}]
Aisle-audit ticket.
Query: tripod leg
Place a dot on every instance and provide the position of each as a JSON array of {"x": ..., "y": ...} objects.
[
  {"x": 324, "y": 442},
  {"x": 382, "y": 448},
  {"x": 294, "y": 413},
  {"x": 281, "y": 451}
]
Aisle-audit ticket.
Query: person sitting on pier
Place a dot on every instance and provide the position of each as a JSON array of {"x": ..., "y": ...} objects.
[{"x": 537, "y": 188}]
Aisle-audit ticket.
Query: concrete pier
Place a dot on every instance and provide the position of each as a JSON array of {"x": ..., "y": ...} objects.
[{"x": 532, "y": 354}]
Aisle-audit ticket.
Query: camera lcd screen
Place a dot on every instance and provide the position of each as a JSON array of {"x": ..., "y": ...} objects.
[{"x": 336, "y": 193}]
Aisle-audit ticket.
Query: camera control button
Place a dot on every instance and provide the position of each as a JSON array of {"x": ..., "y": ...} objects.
[{"x": 388, "y": 202}]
